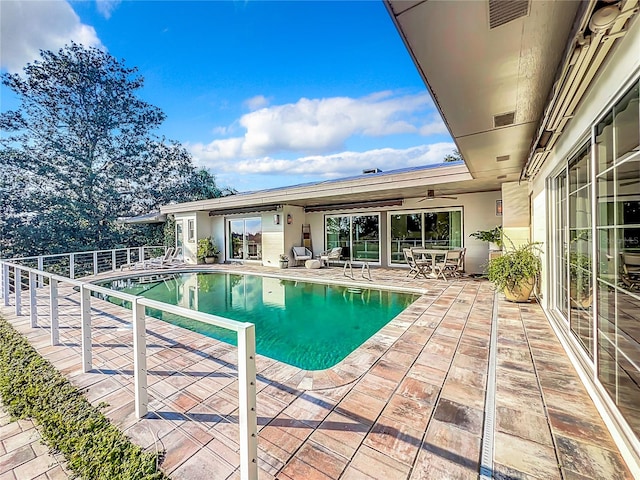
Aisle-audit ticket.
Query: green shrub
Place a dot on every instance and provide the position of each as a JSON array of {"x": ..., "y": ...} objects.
[
  {"x": 515, "y": 267},
  {"x": 494, "y": 235},
  {"x": 93, "y": 447}
]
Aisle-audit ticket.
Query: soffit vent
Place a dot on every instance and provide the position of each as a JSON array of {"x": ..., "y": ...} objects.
[
  {"x": 503, "y": 158},
  {"x": 504, "y": 119},
  {"x": 502, "y": 12}
]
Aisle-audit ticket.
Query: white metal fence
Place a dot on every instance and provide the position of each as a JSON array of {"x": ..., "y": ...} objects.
[{"x": 31, "y": 273}]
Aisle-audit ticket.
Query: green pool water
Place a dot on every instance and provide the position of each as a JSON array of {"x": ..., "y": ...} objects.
[{"x": 308, "y": 325}]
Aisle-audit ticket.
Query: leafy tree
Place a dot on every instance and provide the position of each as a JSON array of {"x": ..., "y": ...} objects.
[
  {"x": 80, "y": 152},
  {"x": 452, "y": 157}
]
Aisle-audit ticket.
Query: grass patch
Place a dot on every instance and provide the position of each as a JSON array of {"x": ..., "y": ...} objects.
[{"x": 94, "y": 448}]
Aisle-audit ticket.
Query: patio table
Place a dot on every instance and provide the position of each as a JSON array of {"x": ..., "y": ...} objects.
[{"x": 432, "y": 254}]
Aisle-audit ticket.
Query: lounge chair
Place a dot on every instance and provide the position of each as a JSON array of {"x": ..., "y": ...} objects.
[
  {"x": 175, "y": 260},
  {"x": 301, "y": 254},
  {"x": 333, "y": 254},
  {"x": 151, "y": 262}
]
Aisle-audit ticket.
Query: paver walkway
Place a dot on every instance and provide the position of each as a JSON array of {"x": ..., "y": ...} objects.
[
  {"x": 409, "y": 404},
  {"x": 22, "y": 454}
]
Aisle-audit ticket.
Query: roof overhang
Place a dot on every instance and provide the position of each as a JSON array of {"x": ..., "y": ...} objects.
[
  {"x": 489, "y": 66},
  {"x": 383, "y": 186}
]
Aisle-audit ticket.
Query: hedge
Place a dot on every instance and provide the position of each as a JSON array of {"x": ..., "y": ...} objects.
[{"x": 94, "y": 448}]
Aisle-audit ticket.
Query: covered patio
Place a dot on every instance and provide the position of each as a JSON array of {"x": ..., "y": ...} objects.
[{"x": 460, "y": 384}]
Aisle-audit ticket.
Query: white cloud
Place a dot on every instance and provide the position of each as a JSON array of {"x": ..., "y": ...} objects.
[
  {"x": 326, "y": 166},
  {"x": 27, "y": 27},
  {"x": 106, "y": 7},
  {"x": 435, "y": 127},
  {"x": 254, "y": 103},
  {"x": 323, "y": 125}
]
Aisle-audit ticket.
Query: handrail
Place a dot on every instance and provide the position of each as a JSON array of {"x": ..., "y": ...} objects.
[
  {"x": 214, "y": 320},
  {"x": 81, "y": 252},
  {"x": 245, "y": 336}
]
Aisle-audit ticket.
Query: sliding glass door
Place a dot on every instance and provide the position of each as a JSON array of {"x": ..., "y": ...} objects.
[
  {"x": 428, "y": 228},
  {"x": 245, "y": 239},
  {"x": 596, "y": 288},
  {"x": 358, "y": 235}
]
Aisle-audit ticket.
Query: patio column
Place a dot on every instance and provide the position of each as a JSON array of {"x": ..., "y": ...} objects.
[{"x": 516, "y": 216}]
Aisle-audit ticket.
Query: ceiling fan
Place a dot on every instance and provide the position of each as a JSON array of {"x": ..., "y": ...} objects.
[{"x": 431, "y": 195}]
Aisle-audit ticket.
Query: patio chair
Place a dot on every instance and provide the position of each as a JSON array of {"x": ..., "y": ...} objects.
[
  {"x": 630, "y": 270},
  {"x": 454, "y": 262},
  {"x": 441, "y": 267},
  {"x": 301, "y": 254},
  {"x": 333, "y": 254},
  {"x": 416, "y": 267}
]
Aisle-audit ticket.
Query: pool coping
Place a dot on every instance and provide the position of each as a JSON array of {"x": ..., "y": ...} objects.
[{"x": 349, "y": 369}]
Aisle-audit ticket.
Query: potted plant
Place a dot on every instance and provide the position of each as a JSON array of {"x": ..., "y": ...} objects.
[
  {"x": 207, "y": 250},
  {"x": 284, "y": 261},
  {"x": 515, "y": 272},
  {"x": 493, "y": 236}
]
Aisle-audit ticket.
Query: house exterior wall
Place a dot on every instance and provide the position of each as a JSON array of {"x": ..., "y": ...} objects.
[
  {"x": 478, "y": 213},
  {"x": 614, "y": 78},
  {"x": 293, "y": 230},
  {"x": 516, "y": 219},
  {"x": 272, "y": 238}
]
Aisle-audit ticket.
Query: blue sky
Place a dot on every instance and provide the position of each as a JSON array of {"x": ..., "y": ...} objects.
[{"x": 262, "y": 93}]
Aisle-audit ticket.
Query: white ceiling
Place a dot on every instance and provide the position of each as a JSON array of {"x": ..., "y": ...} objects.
[{"x": 474, "y": 73}]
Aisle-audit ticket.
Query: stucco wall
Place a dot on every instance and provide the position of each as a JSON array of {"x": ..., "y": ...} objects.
[{"x": 272, "y": 238}]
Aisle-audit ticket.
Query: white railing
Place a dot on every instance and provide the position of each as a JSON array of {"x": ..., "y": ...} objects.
[
  {"x": 81, "y": 264},
  {"x": 13, "y": 275}
]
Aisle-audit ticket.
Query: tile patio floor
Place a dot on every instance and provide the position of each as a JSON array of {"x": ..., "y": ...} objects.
[{"x": 409, "y": 404}]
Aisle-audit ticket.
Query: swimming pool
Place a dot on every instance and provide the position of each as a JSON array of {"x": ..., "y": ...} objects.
[{"x": 309, "y": 325}]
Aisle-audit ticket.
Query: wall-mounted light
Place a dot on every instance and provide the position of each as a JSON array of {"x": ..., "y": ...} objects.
[
  {"x": 498, "y": 208},
  {"x": 289, "y": 219},
  {"x": 276, "y": 219}
]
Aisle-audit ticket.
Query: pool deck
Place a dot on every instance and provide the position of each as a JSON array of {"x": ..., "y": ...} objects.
[{"x": 408, "y": 404}]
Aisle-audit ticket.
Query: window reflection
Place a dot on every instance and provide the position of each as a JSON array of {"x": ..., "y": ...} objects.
[
  {"x": 245, "y": 239},
  {"x": 618, "y": 160},
  {"x": 617, "y": 237},
  {"x": 432, "y": 229},
  {"x": 358, "y": 235}
]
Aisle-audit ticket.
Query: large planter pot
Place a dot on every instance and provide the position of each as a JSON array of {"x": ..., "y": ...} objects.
[
  {"x": 210, "y": 259},
  {"x": 521, "y": 294},
  {"x": 284, "y": 264},
  {"x": 580, "y": 301}
]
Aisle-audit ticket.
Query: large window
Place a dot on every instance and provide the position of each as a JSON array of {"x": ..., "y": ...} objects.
[
  {"x": 245, "y": 239},
  {"x": 617, "y": 156},
  {"x": 358, "y": 235},
  {"x": 429, "y": 228},
  {"x": 603, "y": 317}
]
